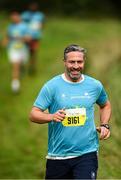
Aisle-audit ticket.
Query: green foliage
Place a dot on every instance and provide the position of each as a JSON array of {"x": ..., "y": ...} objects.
[
  {"x": 80, "y": 8},
  {"x": 23, "y": 144}
]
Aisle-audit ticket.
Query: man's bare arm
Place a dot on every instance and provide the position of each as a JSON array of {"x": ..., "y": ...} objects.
[
  {"x": 41, "y": 117},
  {"x": 105, "y": 114}
]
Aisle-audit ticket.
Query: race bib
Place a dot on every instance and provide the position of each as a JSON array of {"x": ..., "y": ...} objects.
[
  {"x": 75, "y": 117},
  {"x": 18, "y": 45}
]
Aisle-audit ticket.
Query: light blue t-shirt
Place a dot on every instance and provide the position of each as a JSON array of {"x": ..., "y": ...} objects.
[
  {"x": 15, "y": 34},
  {"x": 35, "y": 21},
  {"x": 76, "y": 135}
]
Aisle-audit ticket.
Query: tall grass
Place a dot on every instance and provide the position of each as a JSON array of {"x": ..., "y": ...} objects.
[{"x": 23, "y": 144}]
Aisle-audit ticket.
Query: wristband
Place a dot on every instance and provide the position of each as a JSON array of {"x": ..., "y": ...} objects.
[{"x": 106, "y": 126}]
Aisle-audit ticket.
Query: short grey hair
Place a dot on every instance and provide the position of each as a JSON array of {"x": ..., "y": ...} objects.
[{"x": 73, "y": 47}]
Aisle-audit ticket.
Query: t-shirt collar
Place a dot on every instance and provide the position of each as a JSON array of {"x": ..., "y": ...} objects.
[{"x": 65, "y": 79}]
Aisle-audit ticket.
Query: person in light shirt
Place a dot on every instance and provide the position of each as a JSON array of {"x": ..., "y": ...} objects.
[
  {"x": 72, "y": 135},
  {"x": 18, "y": 53},
  {"x": 35, "y": 20}
]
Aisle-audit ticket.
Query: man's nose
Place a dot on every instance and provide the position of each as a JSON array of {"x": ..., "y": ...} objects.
[{"x": 76, "y": 65}]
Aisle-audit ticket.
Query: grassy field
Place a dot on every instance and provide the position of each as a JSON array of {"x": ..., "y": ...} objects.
[{"x": 23, "y": 145}]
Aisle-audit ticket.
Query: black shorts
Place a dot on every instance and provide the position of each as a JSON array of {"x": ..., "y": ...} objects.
[{"x": 82, "y": 167}]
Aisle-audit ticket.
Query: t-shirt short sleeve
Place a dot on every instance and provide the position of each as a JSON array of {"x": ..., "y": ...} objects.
[
  {"x": 102, "y": 98},
  {"x": 44, "y": 98}
]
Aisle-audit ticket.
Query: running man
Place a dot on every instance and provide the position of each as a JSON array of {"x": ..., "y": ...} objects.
[
  {"x": 35, "y": 20},
  {"x": 72, "y": 138},
  {"x": 16, "y": 38}
]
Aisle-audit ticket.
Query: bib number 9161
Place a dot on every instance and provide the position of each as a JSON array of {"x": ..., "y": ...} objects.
[
  {"x": 75, "y": 117},
  {"x": 73, "y": 120}
]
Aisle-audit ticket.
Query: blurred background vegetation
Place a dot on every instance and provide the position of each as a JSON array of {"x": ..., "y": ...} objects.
[
  {"x": 92, "y": 24},
  {"x": 81, "y": 8}
]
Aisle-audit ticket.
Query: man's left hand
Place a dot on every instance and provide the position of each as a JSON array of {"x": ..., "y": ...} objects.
[{"x": 104, "y": 132}]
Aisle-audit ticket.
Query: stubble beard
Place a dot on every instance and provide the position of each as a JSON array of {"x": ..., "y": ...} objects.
[{"x": 75, "y": 78}]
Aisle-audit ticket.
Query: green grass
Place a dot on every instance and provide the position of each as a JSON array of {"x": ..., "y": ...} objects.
[{"x": 23, "y": 144}]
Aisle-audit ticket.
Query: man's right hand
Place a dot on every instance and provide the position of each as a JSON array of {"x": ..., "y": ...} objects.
[{"x": 59, "y": 116}]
